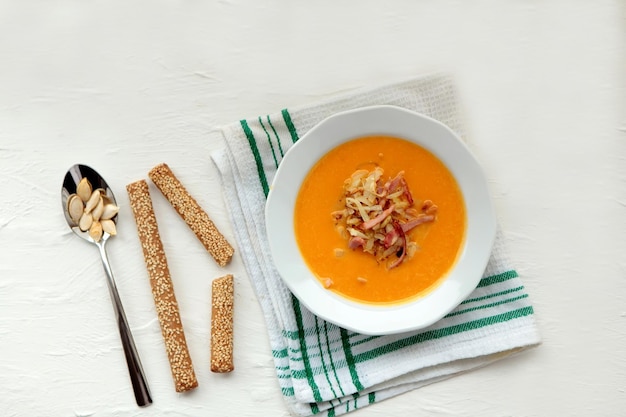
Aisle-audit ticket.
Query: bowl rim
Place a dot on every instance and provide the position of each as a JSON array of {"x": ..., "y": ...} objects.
[{"x": 376, "y": 319}]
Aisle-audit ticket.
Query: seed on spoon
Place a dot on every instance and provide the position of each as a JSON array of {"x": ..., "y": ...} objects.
[
  {"x": 108, "y": 226},
  {"x": 75, "y": 207},
  {"x": 85, "y": 222},
  {"x": 98, "y": 210},
  {"x": 92, "y": 210},
  {"x": 84, "y": 189},
  {"x": 109, "y": 211},
  {"x": 95, "y": 231},
  {"x": 93, "y": 201}
]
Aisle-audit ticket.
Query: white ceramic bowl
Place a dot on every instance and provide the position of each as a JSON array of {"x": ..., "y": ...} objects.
[{"x": 380, "y": 319}]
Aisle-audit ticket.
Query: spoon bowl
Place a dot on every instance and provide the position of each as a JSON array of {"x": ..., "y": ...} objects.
[{"x": 71, "y": 182}]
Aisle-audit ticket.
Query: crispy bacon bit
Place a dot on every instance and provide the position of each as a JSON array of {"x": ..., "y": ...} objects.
[
  {"x": 390, "y": 238},
  {"x": 401, "y": 253},
  {"x": 422, "y": 218},
  {"x": 378, "y": 213},
  {"x": 355, "y": 242},
  {"x": 382, "y": 216},
  {"x": 407, "y": 193}
]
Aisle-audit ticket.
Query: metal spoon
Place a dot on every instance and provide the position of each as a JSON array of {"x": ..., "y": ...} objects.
[{"x": 70, "y": 183}]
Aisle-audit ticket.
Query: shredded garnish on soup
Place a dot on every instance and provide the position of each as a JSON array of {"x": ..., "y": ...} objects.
[{"x": 379, "y": 213}]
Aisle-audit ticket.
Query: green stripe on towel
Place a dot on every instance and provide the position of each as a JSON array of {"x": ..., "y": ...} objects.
[
  {"x": 257, "y": 156},
  {"x": 303, "y": 343},
  {"x": 290, "y": 126}
]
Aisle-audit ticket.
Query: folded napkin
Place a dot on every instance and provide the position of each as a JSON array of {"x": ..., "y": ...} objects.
[{"x": 325, "y": 369}]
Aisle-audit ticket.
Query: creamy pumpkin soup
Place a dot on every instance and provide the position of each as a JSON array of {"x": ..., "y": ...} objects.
[{"x": 379, "y": 219}]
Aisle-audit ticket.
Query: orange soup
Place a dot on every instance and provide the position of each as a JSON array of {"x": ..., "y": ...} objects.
[{"x": 354, "y": 273}]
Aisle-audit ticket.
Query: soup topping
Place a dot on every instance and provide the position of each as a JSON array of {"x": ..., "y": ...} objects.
[{"x": 378, "y": 213}]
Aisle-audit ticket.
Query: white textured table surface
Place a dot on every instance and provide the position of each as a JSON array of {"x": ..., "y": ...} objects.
[{"x": 123, "y": 87}]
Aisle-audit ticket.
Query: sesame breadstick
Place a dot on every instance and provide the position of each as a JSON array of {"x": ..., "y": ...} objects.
[
  {"x": 191, "y": 212},
  {"x": 223, "y": 294},
  {"x": 162, "y": 288}
]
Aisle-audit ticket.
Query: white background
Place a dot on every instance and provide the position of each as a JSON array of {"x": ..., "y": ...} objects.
[{"x": 123, "y": 86}]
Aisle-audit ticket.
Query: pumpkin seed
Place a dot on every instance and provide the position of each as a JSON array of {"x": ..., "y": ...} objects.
[
  {"x": 93, "y": 201},
  {"x": 108, "y": 226},
  {"x": 95, "y": 231},
  {"x": 84, "y": 189},
  {"x": 97, "y": 211},
  {"x": 110, "y": 210},
  {"x": 85, "y": 222},
  {"x": 75, "y": 207}
]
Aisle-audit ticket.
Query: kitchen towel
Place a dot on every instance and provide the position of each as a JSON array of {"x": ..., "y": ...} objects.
[{"x": 327, "y": 370}]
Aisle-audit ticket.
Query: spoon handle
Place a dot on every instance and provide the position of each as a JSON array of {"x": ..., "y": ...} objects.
[{"x": 137, "y": 376}]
